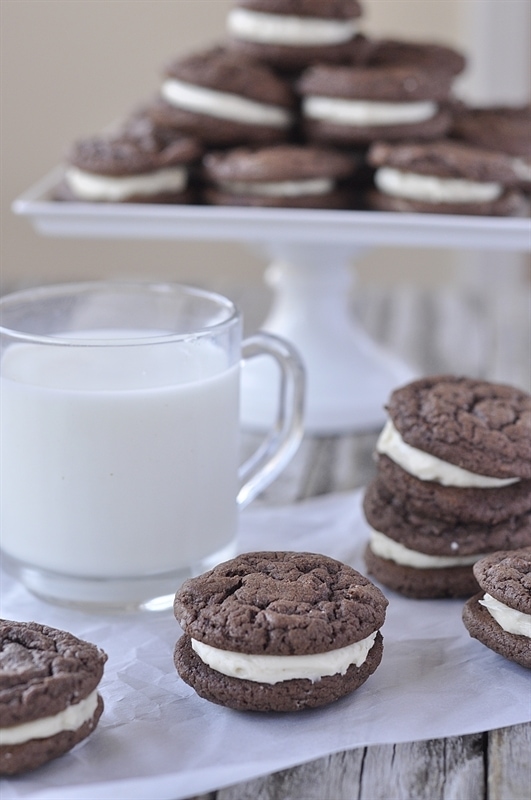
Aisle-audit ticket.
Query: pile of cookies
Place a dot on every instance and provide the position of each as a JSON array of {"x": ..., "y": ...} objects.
[
  {"x": 453, "y": 484},
  {"x": 298, "y": 108}
]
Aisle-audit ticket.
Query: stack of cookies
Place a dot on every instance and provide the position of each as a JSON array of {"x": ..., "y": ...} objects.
[
  {"x": 296, "y": 107},
  {"x": 453, "y": 484}
]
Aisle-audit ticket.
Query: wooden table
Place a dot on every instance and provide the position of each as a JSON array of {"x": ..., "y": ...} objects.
[{"x": 481, "y": 329}]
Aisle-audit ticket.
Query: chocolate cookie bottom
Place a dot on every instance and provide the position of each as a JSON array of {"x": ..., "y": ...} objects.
[
  {"x": 421, "y": 584},
  {"x": 482, "y": 626},
  {"x": 291, "y": 695},
  {"x": 36, "y": 752}
]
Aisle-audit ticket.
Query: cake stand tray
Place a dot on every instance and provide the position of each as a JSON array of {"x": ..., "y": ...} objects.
[
  {"x": 310, "y": 255},
  {"x": 354, "y": 228}
]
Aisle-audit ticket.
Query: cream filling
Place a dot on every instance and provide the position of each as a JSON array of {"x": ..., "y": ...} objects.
[
  {"x": 430, "y": 468},
  {"x": 279, "y": 188},
  {"x": 223, "y": 105},
  {"x": 70, "y": 719},
  {"x": 522, "y": 169},
  {"x": 384, "y": 547},
  {"x": 432, "y": 189},
  {"x": 341, "y": 111},
  {"x": 254, "y": 26},
  {"x": 88, "y": 186},
  {"x": 274, "y": 669},
  {"x": 509, "y": 619}
]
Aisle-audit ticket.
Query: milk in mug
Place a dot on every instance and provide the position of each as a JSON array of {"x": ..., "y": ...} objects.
[{"x": 108, "y": 471}]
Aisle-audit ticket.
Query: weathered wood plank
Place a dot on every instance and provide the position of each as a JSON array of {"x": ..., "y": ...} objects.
[
  {"x": 509, "y": 761},
  {"x": 444, "y": 769}
]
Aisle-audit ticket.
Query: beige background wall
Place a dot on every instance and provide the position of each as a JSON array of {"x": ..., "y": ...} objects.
[{"x": 69, "y": 67}]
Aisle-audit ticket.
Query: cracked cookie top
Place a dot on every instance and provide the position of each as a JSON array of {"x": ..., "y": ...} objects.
[
  {"x": 506, "y": 576},
  {"x": 477, "y": 425},
  {"x": 280, "y": 603},
  {"x": 43, "y": 670}
]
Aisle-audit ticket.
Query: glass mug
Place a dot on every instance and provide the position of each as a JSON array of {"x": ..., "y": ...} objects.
[{"x": 119, "y": 420}]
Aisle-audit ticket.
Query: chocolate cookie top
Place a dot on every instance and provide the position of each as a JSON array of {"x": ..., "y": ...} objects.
[
  {"x": 280, "y": 603},
  {"x": 138, "y": 146},
  {"x": 477, "y": 425},
  {"x": 425, "y": 55},
  {"x": 506, "y": 576},
  {"x": 277, "y": 163},
  {"x": 445, "y": 159},
  {"x": 503, "y": 128},
  {"x": 232, "y": 73},
  {"x": 43, "y": 670},
  {"x": 394, "y": 84},
  {"x": 332, "y": 9}
]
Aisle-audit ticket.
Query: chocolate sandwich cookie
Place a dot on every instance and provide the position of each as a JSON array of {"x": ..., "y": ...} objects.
[
  {"x": 290, "y": 34},
  {"x": 224, "y": 98},
  {"x": 428, "y": 557},
  {"x": 499, "y": 616},
  {"x": 505, "y": 129},
  {"x": 349, "y": 105},
  {"x": 424, "y": 55},
  {"x": 278, "y": 631},
  {"x": 441, "y": 422},
  {"x": 48, "y": 693},
  {"x": 279, "y": 176},
  {"x": 140, "y": 163},
  {"x": 444, "y": 177}
]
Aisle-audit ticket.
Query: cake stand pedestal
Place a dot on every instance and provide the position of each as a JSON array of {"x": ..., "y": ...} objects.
[{"x": 349, "y": 376}]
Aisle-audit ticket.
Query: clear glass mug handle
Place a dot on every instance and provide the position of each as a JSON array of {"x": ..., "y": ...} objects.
[{"x": 282, "y": 441}]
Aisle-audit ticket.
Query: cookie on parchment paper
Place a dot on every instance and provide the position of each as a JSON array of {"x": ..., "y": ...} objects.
[
  {"x": 428, "y": 557},
  {"x": 48, "y": 693},
  {"x": 499, "y": 616},
  {"x": 278, "y": 631}
]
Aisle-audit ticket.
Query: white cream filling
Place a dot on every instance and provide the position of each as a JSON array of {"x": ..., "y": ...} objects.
[
  {"x": 509, "y": 619},
  {"x": 88, "y": 186},
  {"x": 432, "y": 189},
  {"x": 223, "y": 105},
  {"x": 384, "y": 547},
  {"x": 254, "y": 26},
  {"x": 70, "y": 719},
  {"x": 279, "y": 188},
  {"x": 341, "y": 111},
  {"x": 430, "y": 468},
  {"x": 522, "y": 169},
  {"x": 274, "y": 669}
]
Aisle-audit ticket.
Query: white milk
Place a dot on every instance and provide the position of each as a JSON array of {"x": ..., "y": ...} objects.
[{"x": 111, "y": 471}]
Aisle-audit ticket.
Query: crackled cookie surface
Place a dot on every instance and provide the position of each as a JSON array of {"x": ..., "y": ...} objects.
[
  {"x": 480, "y": 426},
  {"x": 314, "y": 620},
  {"x": 48, "y": 693}
]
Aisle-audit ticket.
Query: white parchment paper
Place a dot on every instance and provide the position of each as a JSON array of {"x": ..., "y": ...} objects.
[{"x": 157, "y": 739}]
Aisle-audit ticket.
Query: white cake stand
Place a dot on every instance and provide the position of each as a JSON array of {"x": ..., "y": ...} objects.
[{"x": 310, "y": 254}]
